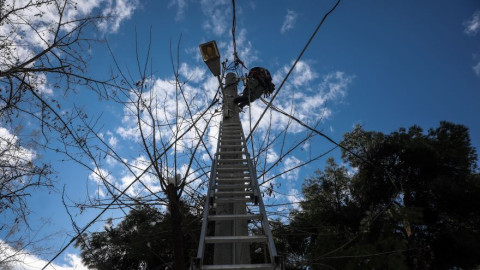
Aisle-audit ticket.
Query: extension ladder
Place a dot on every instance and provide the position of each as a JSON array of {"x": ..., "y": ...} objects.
[{"x": 233, "y": 181}]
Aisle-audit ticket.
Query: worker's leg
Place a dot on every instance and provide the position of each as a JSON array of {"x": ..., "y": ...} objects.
[{"x": 242, "y": 101}]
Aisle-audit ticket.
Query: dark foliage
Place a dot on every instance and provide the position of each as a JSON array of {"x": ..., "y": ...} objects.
[
  {"x": 142, "y": 240},
  {"x": 412, "y": 203}
]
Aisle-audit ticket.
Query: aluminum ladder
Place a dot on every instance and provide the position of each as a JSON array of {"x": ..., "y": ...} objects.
[{"x": 233, "y": 179}]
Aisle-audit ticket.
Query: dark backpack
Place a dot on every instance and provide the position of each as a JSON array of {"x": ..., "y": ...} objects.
[{"x": 265, "y": 79}]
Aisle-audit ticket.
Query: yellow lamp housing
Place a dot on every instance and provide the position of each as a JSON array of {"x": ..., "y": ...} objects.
[{"x": 211, "y": 56}]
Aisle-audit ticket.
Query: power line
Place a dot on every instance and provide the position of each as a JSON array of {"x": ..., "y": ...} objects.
[
  {"x": 317, "y": 132},
  {"x": 293, "y": 66},
  {"x": 303, "y": 124},
  {"x": 236, "y": 59}
]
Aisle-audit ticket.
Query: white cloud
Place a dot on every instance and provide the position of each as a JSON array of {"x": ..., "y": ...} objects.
[
  {"x": 272, "y": 156},
  {"x": 111, "y": 161},
  {"x": 99, "y": 176},
  {"x": 305, "y": 95},
  {"x": 33, "y": 28},
  {"x": 193, "y": 74},
  {"x": 245, "y": 50},
  {"x": 119, "y": 10},
  {"x": 113, "y": 141},
  {"x": 294, "y": 196},
  {"x": 12, "y": 153},
  {"x": 130, "y": 132},
  {"x": 181, "y": 6},
  {"x": 472, "y": 26},
  {"x": 138, "y": 166},
  {"x": 476, "y": 69},
  {"x": 288, "y": 164},
  {"x": 303, "y": 74},
  {"x": 160, "y": 94},
  {"x": 217, "y": 13},
  {"x": 289, "y": 21},
  {"x": 25, "y": 261}
]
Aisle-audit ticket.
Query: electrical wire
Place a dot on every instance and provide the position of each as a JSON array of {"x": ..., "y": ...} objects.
[
  {"x": 293, "y": 66},
  {"x": 236, "y": 59},
  {"x": 317, "y": 132},
  {"x": 270, "y": 104}
]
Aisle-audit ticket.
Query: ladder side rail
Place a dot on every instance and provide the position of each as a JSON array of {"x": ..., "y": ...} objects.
[
  {"x": 266, "y": 225},
  {"x": 206, "y": 209}
]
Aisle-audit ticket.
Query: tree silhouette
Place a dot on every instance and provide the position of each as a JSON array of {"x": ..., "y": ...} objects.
[
  {"x": 142, "y": 240},
  {"x": 409, "y": 201}
]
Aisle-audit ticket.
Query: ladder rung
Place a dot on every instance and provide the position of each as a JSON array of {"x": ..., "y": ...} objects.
[
  {"x": 235, "y": 217},
  {"x": 241, "y": 178},
  {"x": 232, "y": 181},
  {"x": 222, "y": 141},
  {"x": 239, "y": 266},
  {"x": 237, "y": 173},
  {"x": 231, "y": 166},
  {"x": 233, "y": 177},
  {"x": 227, "y": 183},
  {"x": 235, "y": 239},
  {"x": 224, "y": 163},
  {"x": 232, "y": 186},
  {"x": 238, "y": 167},
  {"x": 234, "y": 193},
  {"x": 233, "y": 200},
  {"x": 232, "y": 159},
  {"x": 231, "y": 152}
]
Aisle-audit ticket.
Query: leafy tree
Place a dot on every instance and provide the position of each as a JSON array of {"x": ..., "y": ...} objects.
[
  {"x": 142, "y": 240},
  {"x": 328, "y": 234},
  {"x": 411, "y": 204},
  {"x": 431, "y": 180}
]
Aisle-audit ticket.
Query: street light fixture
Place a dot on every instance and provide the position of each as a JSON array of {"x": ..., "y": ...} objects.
[{"x": 211, "y": 56}]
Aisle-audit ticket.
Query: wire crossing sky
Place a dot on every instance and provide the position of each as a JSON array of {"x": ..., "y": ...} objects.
[{"x": 377, "y": 64}]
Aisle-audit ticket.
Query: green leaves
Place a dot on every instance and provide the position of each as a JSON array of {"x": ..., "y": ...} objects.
[
  {"x": 142, "y": 240},
  {"x": 409, "y": 205}
]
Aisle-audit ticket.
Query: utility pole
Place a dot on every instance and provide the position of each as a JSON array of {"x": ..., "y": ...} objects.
[
  {"x": 231, "y": 253},
  {"x": 232, "y": 188}
]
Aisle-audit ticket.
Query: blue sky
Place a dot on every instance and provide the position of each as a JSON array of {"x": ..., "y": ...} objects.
[{"x": 381, "y": 64}]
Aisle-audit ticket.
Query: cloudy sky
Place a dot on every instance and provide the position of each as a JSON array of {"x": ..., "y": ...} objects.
[{"x": 378, "y": 64}]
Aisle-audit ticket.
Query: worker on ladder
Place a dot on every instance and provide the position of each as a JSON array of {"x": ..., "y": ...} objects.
[{"x": 259, "y": 81}]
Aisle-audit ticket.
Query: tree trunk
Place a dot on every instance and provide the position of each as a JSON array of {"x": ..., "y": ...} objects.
[{"x": 177, "y": 232}]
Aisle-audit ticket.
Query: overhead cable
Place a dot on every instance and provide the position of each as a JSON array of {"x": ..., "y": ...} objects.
[
  {"x": 236, "y": 59},
  {"x": 293, "y": 66}
]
